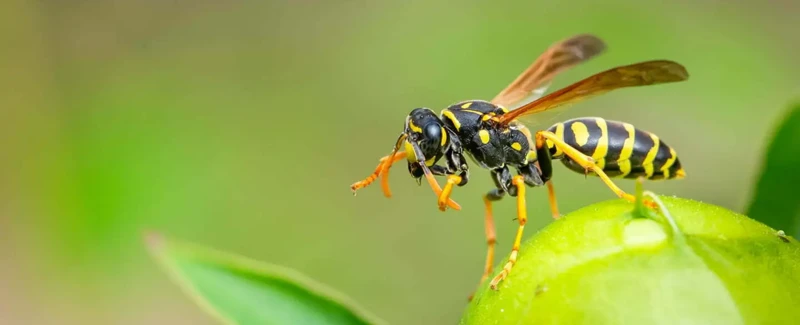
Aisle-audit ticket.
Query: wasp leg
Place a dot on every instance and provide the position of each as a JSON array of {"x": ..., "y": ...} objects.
[
  {"x": 545, "y": 162},
  {"x": 536, "y": 177},
  {"x": 429, "y": 175},
  {"x": 440, "y": 170},
  {"x": 551, "y": 196},
  {"x": 455, "y": 162},
  {"x": 452, "y": 180},
  {"x": 385, "y": 172},
  {"x": 383, "y": 168},
  {"x": 583, "y": 160},
  {"x": 502, "y": 178},
  {"x": 519, "y": 182},
  {"x": 491, "y": 236},
  {"x": 381, "y": 171}
]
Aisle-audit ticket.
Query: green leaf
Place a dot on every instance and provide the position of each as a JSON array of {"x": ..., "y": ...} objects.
[
  {"x": 611, "y": 263},
  {"x": 238, "y": 290},
  {"x": 775, "y": 200}
]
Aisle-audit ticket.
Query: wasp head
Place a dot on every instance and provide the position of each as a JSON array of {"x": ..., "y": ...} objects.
[{"x": 425, "y": 134}]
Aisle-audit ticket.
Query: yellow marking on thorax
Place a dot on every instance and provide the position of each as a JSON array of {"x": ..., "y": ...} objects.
[
  {"x": 447, "y": 113},
  {"x": 581, "y": 133},
  {"x": 472, "y": 111},
  {"x": 466, "y": 105},
  {"x": 531, "y": 156},
  {"x": 517, "y": 146},
  {"x": 487, "y": 116},
  {"x": 672, "y": 157},
  {"x": 601, "y": 150},
  {"x": 414, "y": 127},
  {"x": 559, "y": 134},
  {"x": 444, "y": 136},
  {"x": 651, "y": 155},
  {"x": 525, "y": 131},
  {"x": 503, "y": 108},
  {"x": 624, "y": 161},
  {"x": 484, "y": 135}
]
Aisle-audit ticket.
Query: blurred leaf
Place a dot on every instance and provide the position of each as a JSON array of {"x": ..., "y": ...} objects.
[
  {"x": 604, "y": 264},
  {"x": 775, "y": 201},
  {"x": 237, "y": 290}
]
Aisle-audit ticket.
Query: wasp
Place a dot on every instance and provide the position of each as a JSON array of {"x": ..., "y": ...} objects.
[{"x": 495, "y": 139}]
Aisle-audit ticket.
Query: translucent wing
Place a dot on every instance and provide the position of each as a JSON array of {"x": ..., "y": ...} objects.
[
  {"x": 556, "y": 59},
  {"x": 638, "y": 74}
]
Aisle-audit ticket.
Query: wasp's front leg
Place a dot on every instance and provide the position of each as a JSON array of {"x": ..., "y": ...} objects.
[
  {"x": 429, "y": 176},
  {"x": 383, "y": 169},
  {"x": 455, "y": 164}
]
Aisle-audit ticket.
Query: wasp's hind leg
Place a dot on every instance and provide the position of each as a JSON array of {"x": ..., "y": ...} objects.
[
  {"x": 585, "y": 161},
  {"x": 545, "y": 173},
  {"x": 536, "y": 177}
]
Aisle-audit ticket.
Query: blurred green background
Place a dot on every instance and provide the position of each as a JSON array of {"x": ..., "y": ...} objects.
[{"x": 241, "y": 125}]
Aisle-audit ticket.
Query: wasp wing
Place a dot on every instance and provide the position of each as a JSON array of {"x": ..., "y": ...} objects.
[
  {"x": 533, "y": 82},
  {"x": 637, "y": 74}
]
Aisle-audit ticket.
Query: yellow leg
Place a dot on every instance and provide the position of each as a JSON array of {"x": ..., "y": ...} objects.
[
  {"x": 491, "y": 240},
  {"x": 385, "y": 172},
  {"x": 436, "y": 189},
  {"x": 522, "y": 217},
  {"x": 551, "y": 194},
  {"x": 587, "y": 163},
  {"x": 382, "y": 170},
  {"x": 452, "y": 180}
]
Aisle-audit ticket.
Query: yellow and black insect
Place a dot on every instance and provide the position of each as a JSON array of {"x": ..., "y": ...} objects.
[{"x": 496, "y": 140}]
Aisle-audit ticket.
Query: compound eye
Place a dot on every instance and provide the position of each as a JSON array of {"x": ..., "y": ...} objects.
[{"x": 433, "y": 131}]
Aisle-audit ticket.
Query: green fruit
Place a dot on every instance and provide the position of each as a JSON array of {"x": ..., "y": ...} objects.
[{"x": 612, "y": 263}]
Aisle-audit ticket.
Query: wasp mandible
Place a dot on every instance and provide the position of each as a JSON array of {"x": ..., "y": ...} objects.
[{"x": 496, "y": 140}]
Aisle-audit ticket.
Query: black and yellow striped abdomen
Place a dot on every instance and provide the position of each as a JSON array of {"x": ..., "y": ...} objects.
[{"x": 618, "y": 148}]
